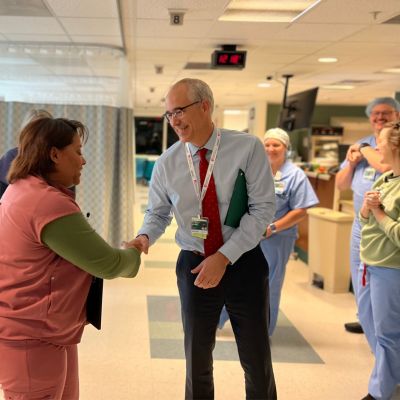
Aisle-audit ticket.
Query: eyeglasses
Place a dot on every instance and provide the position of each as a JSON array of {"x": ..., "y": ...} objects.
[
  {"x": 383, "y": 113},
  {"x": 178, "y": 113}
]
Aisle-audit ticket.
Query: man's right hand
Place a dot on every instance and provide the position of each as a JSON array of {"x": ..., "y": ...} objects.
[{"x": 141, "y": 243}]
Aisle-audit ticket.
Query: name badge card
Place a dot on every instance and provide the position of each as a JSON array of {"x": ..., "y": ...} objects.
[
  {"x": 199, "y": 227},
  {"x": 369, "y": 174},
  {"x": 279, "y": 187}
]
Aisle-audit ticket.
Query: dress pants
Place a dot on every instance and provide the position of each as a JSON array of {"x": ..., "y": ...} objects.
[
  {"x": 37, "y": 370},
  {"x": 244, "y": 291}
]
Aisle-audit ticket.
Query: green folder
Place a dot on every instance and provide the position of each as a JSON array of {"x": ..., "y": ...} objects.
[{"x": 238, "y": 205}]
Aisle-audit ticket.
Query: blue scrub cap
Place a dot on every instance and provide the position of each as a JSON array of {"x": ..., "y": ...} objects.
[{"x": 390, "y": 101}]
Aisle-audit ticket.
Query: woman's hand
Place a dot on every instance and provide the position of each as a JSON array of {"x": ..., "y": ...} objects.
[
  {"x": 268, "y": 232},
  {"x": 371, "y": 201}
]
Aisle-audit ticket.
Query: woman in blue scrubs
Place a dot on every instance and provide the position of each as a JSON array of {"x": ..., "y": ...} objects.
[
  {"x": 379, "y": 275},
  {"x": 293, "y": 195}
]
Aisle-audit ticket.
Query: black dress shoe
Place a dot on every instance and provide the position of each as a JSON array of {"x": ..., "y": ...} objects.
[
  {"x": 353, "y": 327},
  {"x": 368, "y": 397}
]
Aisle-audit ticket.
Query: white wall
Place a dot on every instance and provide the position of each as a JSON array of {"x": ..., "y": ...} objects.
[{"x": 238, "y": 121}]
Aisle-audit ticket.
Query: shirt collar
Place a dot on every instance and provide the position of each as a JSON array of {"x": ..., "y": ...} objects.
[
  {"x": 283, "y": 170},
  {"x": 209, "y": 145}
]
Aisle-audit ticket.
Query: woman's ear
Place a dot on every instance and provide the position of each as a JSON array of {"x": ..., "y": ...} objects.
[{"x": 54, "y": 155}]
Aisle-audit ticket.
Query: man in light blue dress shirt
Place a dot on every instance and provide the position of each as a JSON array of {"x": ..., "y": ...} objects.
[{"x": 237, "y": 274}]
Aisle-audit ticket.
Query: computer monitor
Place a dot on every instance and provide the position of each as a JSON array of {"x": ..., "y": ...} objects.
[
  {"x": 298, "y": 110},
  {"x": 149, "y": 135}
]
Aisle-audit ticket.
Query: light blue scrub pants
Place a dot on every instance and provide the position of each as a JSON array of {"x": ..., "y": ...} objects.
[
  {"x": 356, "y": 279},
  {"x": 355, "y": 255},
  {"x": 277, "y": 249},
  {"x": 379, "y": 307}
]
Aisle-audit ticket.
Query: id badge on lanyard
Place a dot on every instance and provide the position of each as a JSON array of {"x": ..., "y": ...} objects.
[
  {"x": 199, "y": 227},
  {"x": 199, "y": 224}
]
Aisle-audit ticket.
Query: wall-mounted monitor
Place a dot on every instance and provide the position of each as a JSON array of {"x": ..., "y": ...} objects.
[
  {"x": 149, "y": 135},
  {"x": 298, "y": 110}
]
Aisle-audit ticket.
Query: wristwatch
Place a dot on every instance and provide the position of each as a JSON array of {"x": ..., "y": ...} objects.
[
  {"x": 364, "y": 144},
  {"x": 273, "y": 228}
]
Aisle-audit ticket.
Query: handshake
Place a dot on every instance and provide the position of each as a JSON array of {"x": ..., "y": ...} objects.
[{"x": 140, "y": 243}]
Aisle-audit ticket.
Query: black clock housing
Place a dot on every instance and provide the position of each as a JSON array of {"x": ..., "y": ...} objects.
[{"x": 228, "y": 59}]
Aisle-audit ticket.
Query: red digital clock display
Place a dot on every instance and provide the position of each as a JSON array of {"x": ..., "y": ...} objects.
[{"x": 228, "y": 59}]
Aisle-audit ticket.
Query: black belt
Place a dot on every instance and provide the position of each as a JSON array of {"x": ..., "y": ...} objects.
[{"x": 197, "y": 253}]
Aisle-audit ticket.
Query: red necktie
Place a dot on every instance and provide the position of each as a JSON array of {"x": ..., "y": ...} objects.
[{"x": 210, "y": 209}]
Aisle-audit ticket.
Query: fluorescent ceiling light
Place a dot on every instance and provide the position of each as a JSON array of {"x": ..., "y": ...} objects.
[
  {"x": 392, "y": 70},
  {"x": 327, "y": 59},
  {"x": 233, "y": 112},
  {"x": 337, "y": 87},
  {"x": 266, "y": 10},
  {"x": 264, "y": 85}
]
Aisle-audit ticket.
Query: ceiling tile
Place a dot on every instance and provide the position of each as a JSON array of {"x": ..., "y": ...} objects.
[
  {"x": 317, "y": 32},
  {"x": 167, "y": 45},
  {"x": 27, "y": 25},
  {"x": 195, "y": 9},
  {"x": 91, "y": 26},
  {"x": 162, "y": 29},
  {"x": 377, "y": 34},
  {"x": 350, "y": 12},
  {"x": 84, "y": 8}
]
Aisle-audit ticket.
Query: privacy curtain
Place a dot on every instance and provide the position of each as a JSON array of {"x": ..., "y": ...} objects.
[{"x": 106, "y": 188}]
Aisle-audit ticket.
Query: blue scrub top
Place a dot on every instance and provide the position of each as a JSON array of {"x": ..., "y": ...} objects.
[
  {"x": 364, "y": 176},
  {"x": 292, "y": 190},
  {"x": 5, "y": 163}
]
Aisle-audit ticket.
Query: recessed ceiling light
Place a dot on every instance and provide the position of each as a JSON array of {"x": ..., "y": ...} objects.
[
  {"x": 267, "y": 10},
  {"x": 233, "y": 112},
  {"x": 327, "y": 59},
  {"x": 392, "y": 70},
  {"x": 264, "y": 85},
  {"x": 337, "y": 87}
]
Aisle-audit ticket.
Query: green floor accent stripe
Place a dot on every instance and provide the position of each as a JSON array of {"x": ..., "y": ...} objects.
[{"x": 166, "y": 336}]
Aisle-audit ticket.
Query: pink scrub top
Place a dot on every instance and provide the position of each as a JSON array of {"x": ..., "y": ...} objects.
[{"x": 42, "y": 295}]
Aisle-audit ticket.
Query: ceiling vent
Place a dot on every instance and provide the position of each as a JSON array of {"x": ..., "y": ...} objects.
[
  {"x": 394, "y": 20},
  {"x": 197, "y": 65}
]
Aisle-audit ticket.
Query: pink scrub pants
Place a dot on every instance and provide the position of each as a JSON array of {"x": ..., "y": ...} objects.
[{"x": 37, "y": 370}]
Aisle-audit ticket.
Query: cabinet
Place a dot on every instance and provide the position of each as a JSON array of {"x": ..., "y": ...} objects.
[
  {"x": 325, "y": 149},
  {"x": 324, "y": 187}
]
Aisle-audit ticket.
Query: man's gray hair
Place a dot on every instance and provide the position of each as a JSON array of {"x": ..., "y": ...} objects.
[
  {"x": 390, "y": 101},
  {"x": 198, "y": 90}
]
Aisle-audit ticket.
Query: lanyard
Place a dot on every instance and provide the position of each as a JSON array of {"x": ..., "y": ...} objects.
[{"x": 196, "y": 182}]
